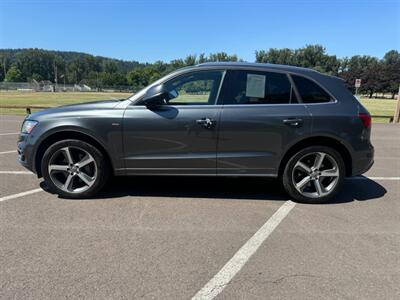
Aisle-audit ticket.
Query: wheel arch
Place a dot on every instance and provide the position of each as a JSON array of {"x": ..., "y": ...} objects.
[
  {"x": 64, "y": 135},
  {"x": 318, "y": 141}
]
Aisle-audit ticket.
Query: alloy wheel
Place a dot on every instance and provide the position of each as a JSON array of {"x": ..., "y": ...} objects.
[
  {"x": 72, "y": 169},
  {"x": 315, "y": 174}
]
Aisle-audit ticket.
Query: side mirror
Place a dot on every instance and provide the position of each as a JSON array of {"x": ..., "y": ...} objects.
[{"x": 155, "y": 96}]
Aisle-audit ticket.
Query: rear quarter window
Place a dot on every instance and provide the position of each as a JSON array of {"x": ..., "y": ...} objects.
[{"x": 309, "y": 91}]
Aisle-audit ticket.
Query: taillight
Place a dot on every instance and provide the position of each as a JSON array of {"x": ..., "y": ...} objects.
[{"x": 365, "y": 119}]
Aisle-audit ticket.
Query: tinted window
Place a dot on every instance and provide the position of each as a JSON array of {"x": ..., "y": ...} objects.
[
  {"x": 253, "y": 87},
  {"x": 194, "y": 88},
  {"x": 309, "y": 91}
]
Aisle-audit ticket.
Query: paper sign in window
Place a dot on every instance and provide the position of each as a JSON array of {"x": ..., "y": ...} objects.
[{"x": 255, "y": 86}]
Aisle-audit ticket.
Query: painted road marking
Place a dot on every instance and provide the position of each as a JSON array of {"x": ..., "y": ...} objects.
[
  {"x": 5, "y": 152},
  {"x": 374, "y": 178},
  {"x": 16, "y": 172},
  {"x": 20, "y": 194},
  {"x": 236, "y": 263},
  {"x": 9, "y": 133}
]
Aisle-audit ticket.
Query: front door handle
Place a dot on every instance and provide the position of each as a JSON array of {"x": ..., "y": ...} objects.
[
  {"x": 295, "y": 122},
  {"x": 206, "y": 123}
]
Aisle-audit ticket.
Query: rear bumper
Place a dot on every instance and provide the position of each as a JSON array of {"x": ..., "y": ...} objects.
[{"x": 363, "y": 161}]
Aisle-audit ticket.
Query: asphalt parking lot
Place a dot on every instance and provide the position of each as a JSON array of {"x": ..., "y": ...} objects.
[{"x": 174, "y": 238}]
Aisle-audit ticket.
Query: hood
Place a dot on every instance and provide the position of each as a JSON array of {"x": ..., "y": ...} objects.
[{"x": 75, "y": 108}]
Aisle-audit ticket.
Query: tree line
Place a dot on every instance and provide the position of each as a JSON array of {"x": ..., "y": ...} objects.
[{"x": 21, "y": 65}]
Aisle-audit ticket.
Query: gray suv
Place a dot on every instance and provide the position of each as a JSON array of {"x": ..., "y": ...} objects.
[{"x": 214, "y": 119}]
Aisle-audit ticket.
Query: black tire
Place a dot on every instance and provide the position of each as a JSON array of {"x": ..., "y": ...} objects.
[
  {"x": 99, "y": 163},
  {"x": 288, "y": 180}
]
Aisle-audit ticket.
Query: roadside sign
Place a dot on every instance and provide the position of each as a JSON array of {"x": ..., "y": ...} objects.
[{"x": 358, "y": 83}]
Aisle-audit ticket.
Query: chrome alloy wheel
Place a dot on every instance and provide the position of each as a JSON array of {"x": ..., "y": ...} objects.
[
  {"x": 315, "y": 174},
  {"x": 72, "y": 169}
]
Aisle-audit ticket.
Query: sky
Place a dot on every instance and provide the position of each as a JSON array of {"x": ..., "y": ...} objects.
[{"x": 152, "y": 30}]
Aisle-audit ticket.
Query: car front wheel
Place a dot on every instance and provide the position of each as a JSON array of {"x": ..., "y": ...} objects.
[
  {"x": 74, "y": 169},
  {"x": 314, "y": 174}
]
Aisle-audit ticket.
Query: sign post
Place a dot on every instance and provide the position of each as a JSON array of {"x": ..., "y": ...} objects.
[
  {"x": 357, "y": 85},
  {"x": 396, "y": 117}
]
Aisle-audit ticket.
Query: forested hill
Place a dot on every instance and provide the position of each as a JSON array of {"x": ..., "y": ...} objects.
[
  {"x": 67, "y": 57},
  {"x": 21, "y": 65}
]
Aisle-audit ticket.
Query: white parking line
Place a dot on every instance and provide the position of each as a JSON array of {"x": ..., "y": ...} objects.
[
  {"x": 9, "y": 133},
  {"x": 20, "y": 194},
  {"x": 235, "y": 264},
  {"x": 386, "y": 157},
  {"x": 16, "y": 172},
  {"x": 6, "y": 152},
  {"x": 375, "y": 178}
]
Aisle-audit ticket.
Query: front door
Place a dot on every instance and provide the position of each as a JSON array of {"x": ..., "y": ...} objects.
[
  {"x": 179, "y": 138},
  {"x": 261, "y": 116}
]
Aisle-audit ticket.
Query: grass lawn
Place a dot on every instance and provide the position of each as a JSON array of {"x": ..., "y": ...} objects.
[
  {"x": 50, "y": 99},
  {"x": 384, "y": 107},
  {"x": 375, "y": 106}
]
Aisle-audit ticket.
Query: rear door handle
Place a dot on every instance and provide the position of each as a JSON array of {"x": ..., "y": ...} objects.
[
  {"x": 295, "y": 122},
  {"x": 206, "y": 122}
]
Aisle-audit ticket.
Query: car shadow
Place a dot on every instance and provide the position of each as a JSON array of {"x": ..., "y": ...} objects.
[
  {"x": 359, "y": 189},
  {"x": 195, "y": 187}
]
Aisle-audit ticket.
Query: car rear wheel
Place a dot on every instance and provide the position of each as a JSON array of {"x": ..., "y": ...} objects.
[
  {"x": 74, "y": 169},
  {"x": 314, "y": 174}
]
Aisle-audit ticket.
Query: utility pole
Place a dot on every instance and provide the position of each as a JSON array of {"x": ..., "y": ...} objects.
[
  {"x": 55, "y": 75},
  {"x": 63, "y": 76},
  {"x": 396, "y": 117},
  {"x": 4, "y": 67}
]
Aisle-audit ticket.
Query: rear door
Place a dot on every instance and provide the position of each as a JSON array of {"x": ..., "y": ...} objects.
[
  {"x": 179, "y": 138},
  {"x": 261, "y": 117}
]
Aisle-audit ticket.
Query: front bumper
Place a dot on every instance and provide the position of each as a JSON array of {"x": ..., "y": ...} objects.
[{"x": 25, "y": 155}]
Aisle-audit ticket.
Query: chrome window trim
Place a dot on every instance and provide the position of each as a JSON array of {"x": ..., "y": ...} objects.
[
  {"x": 183, "y": 106},
  {"x": 277, "y": 104},
  {"x": 288, "y": 74},
  {"x": 225, "y": 69},
  {"x": 267, "y": 69}
]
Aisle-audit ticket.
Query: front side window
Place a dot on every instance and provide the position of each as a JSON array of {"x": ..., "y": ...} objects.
[
  {"x": 309, "y": 91},
  {"x": 198, "y": 88},
  {"x": 255, "y": 87}
]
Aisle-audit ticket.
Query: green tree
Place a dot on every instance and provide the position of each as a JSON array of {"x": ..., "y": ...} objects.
[
  {"x": 391, "y": 72},
  {"x": 2, "y": 75},
  {"x": 77, "y": 70},
  {"x": 190, "y": 60},
  {"x": 140, "y": 77},
  {"x": 368, "y": 69},
  {"x": 110, "y": 67},
  {"x": 177, "y": 63},
  {"x": 36, "y": 61},
  {"x": 276, "y": 56},
  {"x": 311, "y": 56},
  {"x": 14, "y": 75},
  {"x": 35, "y": 77},
  {"x": 222, "y": 56}
]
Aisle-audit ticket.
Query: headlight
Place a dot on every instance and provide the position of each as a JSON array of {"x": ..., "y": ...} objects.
[{"x": 28, "y": 126}]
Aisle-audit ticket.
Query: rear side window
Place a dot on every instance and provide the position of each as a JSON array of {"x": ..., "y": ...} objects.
[
  {"x": 309, "y": 91},
  {"x": 254, "y": 87}
]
